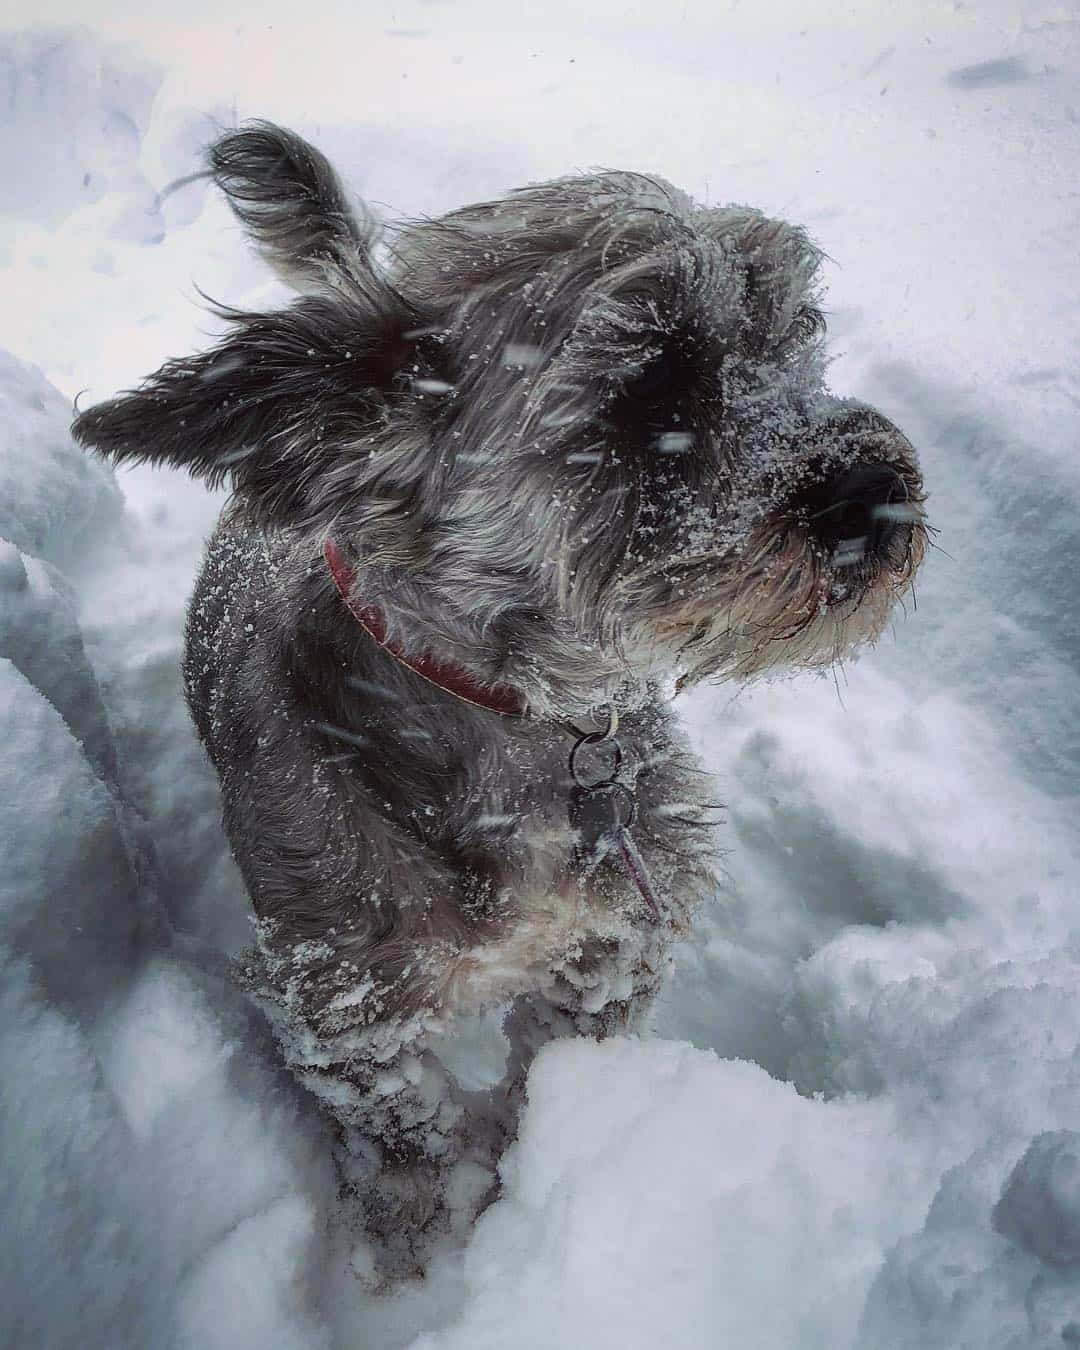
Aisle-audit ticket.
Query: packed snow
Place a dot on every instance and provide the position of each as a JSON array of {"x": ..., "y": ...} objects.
[{"x": 857, "y": 1126}]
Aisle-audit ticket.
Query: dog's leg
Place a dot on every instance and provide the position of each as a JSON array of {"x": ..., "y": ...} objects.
[
  {"x": 416, "y": 1154},
  {"x": 420, "y": 1154},
  {"x": 404, "y": 1152},
  {"x": 581, "y": 1000}
]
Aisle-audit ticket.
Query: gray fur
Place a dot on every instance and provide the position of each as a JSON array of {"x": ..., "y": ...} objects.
[{"x": 576, "y": 441}]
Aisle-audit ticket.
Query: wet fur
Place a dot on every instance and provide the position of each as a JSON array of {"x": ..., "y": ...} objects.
[{"x": 566, "y": 439}]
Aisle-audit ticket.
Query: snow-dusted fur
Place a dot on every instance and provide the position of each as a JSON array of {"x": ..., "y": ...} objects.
[{"x": 576, "y": 441}]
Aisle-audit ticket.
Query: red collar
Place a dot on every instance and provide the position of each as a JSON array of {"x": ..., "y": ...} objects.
[{"x": 446, "y": 675}]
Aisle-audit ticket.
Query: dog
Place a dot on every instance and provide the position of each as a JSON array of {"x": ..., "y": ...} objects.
[{"x": 501, "y": 481}]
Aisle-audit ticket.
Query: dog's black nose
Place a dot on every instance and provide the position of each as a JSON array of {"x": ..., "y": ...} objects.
[{"x": 859, "y": 514}]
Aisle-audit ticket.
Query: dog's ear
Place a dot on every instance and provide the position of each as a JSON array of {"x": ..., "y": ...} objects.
[
  {"x": 270, "y": 406},
  {"x": 290, "y": 202},
  {"x": 283, "y": 391}
]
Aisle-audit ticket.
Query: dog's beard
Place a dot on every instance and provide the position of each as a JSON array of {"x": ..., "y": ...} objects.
[{"x": 777, "y": 603}]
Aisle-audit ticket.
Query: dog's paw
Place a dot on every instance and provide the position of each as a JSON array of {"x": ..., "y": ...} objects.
[
  {"x": 605, "y": 988},
  {"x": 408, "y": 1204}
]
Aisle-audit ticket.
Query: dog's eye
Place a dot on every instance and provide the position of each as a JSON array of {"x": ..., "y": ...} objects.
[{"x": 655, "y": 381}]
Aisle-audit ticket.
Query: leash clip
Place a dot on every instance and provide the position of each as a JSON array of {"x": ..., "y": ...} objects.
[{"x": 601, "y": 812}]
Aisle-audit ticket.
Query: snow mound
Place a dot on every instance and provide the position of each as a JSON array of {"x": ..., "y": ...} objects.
[
  {"x": 155, "y": 1175},
  {"x": 1039, "y": 1208},
  {"x": 55, "y": 501},
  {"x": 660, "y": 1196},
  {"x": 75, "y": 109}
]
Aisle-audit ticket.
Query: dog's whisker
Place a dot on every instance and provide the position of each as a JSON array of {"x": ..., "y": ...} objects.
[
  {"x": 178, "y": 183},
  {"x": 938, "y": 549}
]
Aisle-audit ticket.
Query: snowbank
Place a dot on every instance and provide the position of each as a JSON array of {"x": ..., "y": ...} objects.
[
  {"x": 153, "y": 1167},
  {"x": 660, "y": 1197}
]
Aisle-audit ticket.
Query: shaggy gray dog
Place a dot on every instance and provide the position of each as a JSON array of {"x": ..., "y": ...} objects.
[{"x": 490, "y": 495}]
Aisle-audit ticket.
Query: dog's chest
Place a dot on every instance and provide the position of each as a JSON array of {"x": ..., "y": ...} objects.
[{"x": 537, "y": 815}]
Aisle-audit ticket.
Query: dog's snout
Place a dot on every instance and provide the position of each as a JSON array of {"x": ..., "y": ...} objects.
[{"x": 860, "y": 514}]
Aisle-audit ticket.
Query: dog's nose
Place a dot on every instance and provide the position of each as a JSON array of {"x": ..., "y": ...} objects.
[{"x": 860, "y": 513}]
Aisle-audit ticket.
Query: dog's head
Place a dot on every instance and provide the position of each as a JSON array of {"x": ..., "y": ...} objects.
[{"x": 591, "y": 412}]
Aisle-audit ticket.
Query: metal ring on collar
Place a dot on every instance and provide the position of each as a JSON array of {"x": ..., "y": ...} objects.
[{"x": 595, "y": 738}]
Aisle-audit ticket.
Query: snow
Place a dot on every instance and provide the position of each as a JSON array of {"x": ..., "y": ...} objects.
[
  {"x": 1038, "y": 1209},
  {"x": 699, "y": 1206},
  {"x": 856, "y": 1126}
]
